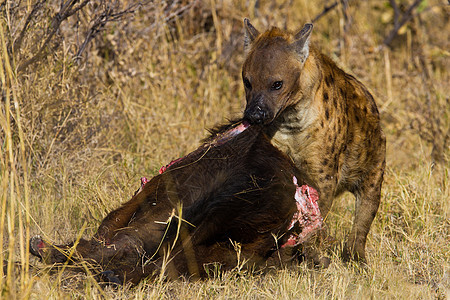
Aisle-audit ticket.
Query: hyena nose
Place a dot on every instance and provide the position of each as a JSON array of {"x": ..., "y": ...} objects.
[{"x": 255, "y": 115}]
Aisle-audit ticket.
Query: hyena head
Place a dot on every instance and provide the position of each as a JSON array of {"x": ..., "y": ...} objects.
[{"x": 271, "y": 72}]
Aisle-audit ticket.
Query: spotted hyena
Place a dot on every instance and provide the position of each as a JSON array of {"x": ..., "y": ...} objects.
[{"x": 323, "y": 118}]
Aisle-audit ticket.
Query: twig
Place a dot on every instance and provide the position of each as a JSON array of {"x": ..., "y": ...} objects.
[
  {"x": 388, "y": 74},
  {"x": 180, "y": 11},
  {"x": 347, "y": 17},
  {"x": 36, "y": 7},
  {"x": 67, "y": 10},
  {"x": 13, "y": 5},
  {"x": 325, "y": 11},
  {"x": 396, "y": 12},
  {"x": 406, "y": 17},
  {"x": 106, "y": 16}
]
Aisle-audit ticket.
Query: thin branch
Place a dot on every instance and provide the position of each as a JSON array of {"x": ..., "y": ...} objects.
[
  {"x": 65, "y": 12},
  {"x": 406, "y": 17},
  {"x": 325, "y": 11},
  {"x": 180, "y": 11},
  {"x": 100, "y": 21},
  {"x": 13, "y": 6},
  {"x": 76, "y": 9},
  {"x": 36, "y": 7},
  {"x": 347, "y": 17},
  {"x": 396, "y": 12}
]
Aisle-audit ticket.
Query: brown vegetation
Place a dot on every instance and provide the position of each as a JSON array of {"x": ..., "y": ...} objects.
[{"x": 80, "y": 124}]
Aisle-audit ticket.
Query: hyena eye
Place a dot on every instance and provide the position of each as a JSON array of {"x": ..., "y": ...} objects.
[
  {"x": 277, "y": 85},
  {"x": 247, "y": 84}
]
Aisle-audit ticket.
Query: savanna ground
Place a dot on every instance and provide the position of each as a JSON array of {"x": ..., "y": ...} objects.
[{"x": 96, "y": 94}]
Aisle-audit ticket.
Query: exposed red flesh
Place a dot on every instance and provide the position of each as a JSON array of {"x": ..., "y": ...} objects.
[
  {"x": 308, "y": 214},
  {"x": 164, "y": 168},
  {"x": 41, "y": 245}
]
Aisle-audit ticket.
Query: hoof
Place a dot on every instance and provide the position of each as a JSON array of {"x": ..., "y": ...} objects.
[
  {"x": 315, "y": 260},
  {"x": 324, "y": 262},
  {"x": 111, "y": 277}
]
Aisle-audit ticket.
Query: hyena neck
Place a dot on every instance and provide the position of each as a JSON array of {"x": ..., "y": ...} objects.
[
  {"x": 292, "y": 121},
  {"x": 299, "y": 118}
]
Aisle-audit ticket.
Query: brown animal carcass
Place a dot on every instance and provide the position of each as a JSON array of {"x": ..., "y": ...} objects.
[{"x": 236, "y": 191}]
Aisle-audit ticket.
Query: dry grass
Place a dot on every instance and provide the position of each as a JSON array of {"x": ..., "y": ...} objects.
[{"x": 75, "y": 138}]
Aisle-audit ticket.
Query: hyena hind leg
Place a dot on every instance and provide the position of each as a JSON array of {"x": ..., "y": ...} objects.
[{"x": 367, "y": 195}]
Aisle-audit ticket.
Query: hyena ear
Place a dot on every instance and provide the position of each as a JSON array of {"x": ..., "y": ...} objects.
[
  {"x": 301, "y": 41},
  {"x": 250, "y": 33}
]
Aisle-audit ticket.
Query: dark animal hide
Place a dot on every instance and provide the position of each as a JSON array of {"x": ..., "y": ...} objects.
[{"x": 235, "y": 192}]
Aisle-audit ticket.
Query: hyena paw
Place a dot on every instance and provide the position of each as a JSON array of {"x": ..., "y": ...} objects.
[{"x": 352, "y": 254}]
